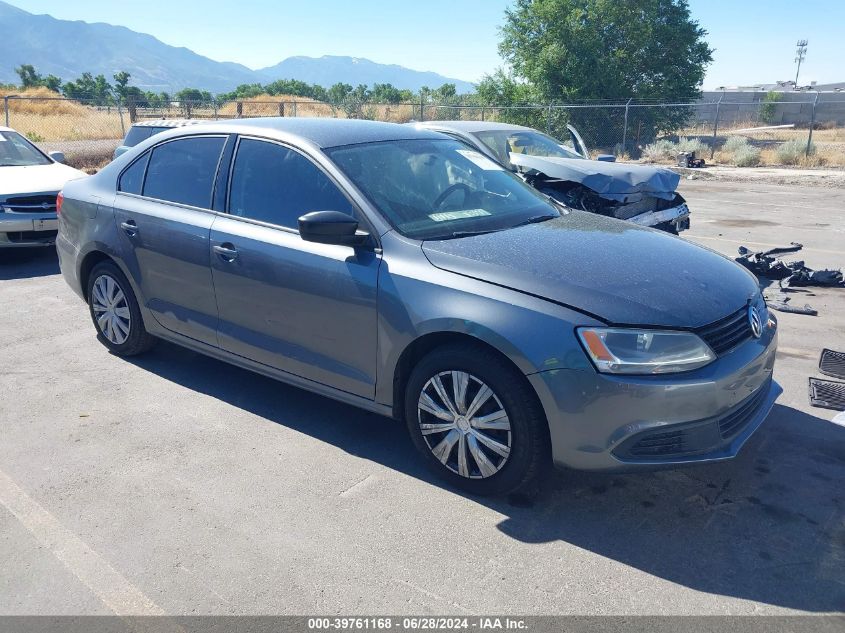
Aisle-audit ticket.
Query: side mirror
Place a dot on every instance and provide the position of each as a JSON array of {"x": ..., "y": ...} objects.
[
  {"x": 59, "y": 157},
  {"x": 606, "y": 158},
  {"x": 331, "y": 227}
]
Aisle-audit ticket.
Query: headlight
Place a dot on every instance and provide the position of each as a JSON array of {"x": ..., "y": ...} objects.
[{"x": 624, "y": 351}]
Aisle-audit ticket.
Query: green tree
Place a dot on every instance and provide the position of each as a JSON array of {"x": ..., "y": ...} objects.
[
  {"x": 121, "y": 81},
  {"x": 29, "y": 77},
  {"x": 51, "y": 82},
  {"x": 89, "y": 88},
  {"x": 575, "y": 50},
  {"x": 768, "y": 107},
  {"x": 385, "y": 93}
]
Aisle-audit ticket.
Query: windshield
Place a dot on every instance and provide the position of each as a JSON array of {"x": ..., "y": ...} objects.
[
  {"x": 16, "y": 151},
  {"x": 505, "y": 142},
  {"x": 440, "y": 189}
]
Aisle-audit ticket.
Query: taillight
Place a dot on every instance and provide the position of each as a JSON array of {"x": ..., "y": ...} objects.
[{"x": 59, "y": 199}]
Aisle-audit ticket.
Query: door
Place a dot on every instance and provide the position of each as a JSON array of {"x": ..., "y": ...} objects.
[
  {"x": 163, "y": 220},
  {"x": 305, "y": 308}
]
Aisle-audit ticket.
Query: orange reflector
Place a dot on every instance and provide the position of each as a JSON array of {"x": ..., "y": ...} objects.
[{"x": 597, "y": 348}]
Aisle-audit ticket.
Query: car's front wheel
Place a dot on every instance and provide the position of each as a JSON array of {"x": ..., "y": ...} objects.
[
  {"x": 476, "y": 420},
  {"x": 115, "y": 312}
]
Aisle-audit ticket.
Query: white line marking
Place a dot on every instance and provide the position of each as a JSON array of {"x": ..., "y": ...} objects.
[
  {"x": 692, "y": 238},
  {"x": 117, "y": 593}
]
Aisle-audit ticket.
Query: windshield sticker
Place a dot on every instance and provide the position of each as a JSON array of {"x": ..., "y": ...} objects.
[
  {"x": 480, "y": 160},
  {"x": 458, "y": 215}
]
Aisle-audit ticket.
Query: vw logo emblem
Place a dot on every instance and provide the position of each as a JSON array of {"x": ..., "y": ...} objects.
[{"x": 755, "y": 322}]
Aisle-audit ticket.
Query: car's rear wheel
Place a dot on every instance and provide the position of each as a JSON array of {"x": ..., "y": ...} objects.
[
  {"x": 476, "y": 420},
  {"x": 115, "y": 312}
]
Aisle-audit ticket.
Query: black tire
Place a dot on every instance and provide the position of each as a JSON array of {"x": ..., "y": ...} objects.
[
  {"x": 137, "y": 340},
  {"x": 529, "y": 434}
]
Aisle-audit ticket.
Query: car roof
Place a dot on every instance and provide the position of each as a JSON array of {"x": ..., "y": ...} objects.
[
  {"x": 320, "y": 132},
  {"x": 169, "y": 122},
  {"x": 471, "y": 126}
]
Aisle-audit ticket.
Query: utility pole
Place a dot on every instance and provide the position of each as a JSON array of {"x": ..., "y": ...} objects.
[{"x": 800, "y": 54}]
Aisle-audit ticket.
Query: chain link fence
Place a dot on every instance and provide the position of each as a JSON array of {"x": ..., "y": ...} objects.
[{"x": 806, "y": 129}]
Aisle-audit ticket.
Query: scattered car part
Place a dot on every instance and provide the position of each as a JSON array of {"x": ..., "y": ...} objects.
[
  {"x": 832, "y": 363},
  {"x": 767, "y": 264},
  {"x": 780, "y": 302},
  {"x": 827, "y": 394}
]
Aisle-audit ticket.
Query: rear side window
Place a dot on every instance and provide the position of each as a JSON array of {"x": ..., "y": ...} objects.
[
  {"x": 132, "y": 179},
  {"x": 184, "y": 170},
  {"x": 136, "y": 134},
  {"x": 275, "y": 184}
]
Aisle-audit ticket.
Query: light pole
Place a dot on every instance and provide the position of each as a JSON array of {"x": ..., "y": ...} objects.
[{"x": 800, "y": 54}]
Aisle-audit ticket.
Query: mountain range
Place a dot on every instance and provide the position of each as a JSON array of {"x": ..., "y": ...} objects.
[{"x": 67, "y": 48}]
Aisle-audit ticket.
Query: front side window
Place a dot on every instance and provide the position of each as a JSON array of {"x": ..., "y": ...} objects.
[
  {"x": 183, "y": 171},
  {"x": 16, "y": 151},
  {"x": 274, "y": 184},
  {"x": 440, "y": 189}
]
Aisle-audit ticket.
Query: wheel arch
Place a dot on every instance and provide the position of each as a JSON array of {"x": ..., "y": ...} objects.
[{"x": 431, "y": 341}]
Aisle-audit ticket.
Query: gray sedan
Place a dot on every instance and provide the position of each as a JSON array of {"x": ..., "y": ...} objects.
[{"x": 399, "y": 271}]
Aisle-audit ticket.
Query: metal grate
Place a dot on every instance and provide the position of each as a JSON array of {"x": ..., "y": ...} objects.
[
  {"x": 827, "y": 394},
  {"x": 832, "y": 363},
  {"x": 657, "y": 444},
  {"x": 725, "y": 334}
]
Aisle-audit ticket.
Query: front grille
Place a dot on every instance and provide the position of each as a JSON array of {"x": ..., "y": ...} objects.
[
  {"x": 32, "y": 236},
  {"x": 30, "y": 204},
  {"x": 660, "y": 444},
  {"x": 725, "y": 334},
  {"x": 732, "y": 424}
]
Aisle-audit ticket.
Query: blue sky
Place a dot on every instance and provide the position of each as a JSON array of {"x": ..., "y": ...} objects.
[{"x": 754, "y": 39}]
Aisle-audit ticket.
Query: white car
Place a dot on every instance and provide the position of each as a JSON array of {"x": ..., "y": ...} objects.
[{"x": 30, "y": 180}]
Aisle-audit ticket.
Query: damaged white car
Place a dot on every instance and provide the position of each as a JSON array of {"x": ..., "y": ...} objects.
[{"x": 640, "y": 194}]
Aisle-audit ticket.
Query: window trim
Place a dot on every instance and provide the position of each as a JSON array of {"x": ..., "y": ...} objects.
[
  {"x": 149, "y": 151},
  {"x": 361, "y": 215}
]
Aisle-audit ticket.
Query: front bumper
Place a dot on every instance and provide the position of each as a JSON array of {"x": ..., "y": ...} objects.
[
  {"x": 677, "y": 216},
  {"x": 21, "y": 230},
  {"x": 626, "y": 423}
]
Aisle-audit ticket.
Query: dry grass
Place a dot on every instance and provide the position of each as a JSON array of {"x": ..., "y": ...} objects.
[
  {"x": 268, "y": 105},
  {"x": 39, "y": 115}
]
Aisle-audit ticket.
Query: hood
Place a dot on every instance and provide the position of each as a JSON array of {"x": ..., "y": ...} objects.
[
  {"x": 617, "y": 271},
  {"x": 36, "y": 178},
  {"x": 614, "y": 181}
]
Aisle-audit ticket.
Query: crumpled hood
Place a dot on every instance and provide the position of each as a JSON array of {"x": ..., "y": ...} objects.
[
  {"x": 36, "y": 178},
  {"x": 614, "y": 181},
  {"x": 617, "y": 271}
]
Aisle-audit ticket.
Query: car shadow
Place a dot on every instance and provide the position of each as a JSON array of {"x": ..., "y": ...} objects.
[
  {"x": 25, "y": 263},
  {"x": 768, "y": 526}
]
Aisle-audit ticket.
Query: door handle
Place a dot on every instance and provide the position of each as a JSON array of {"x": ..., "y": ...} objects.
[
  {"x": 226, "y": 251},
  {"x": 130, "y": 227}
]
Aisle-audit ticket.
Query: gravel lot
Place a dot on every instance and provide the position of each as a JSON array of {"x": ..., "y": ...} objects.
[{"x": 178, "y": 484}]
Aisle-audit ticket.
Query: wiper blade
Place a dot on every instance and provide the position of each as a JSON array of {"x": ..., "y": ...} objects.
[
  {"x": 457, "y": 234},
  {"x": 535, "y": 219}
]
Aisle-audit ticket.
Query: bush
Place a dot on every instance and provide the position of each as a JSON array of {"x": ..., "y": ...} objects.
[
  {"x": 791, "y": 152},
  {"x": 660, "y": 150},
  {"x": 35, "y": 137},
  {"x": 734, "y": 144},
  {"x": 690, "y": 145},
  {"x": 746, "y": 156}
]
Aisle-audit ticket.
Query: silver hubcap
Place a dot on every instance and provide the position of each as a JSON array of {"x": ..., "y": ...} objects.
[
  {"x": 464, "y": 424},
  {"x": 110, "y": 310}
]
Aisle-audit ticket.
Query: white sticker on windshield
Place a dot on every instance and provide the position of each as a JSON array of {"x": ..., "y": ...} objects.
[
  {"x": 443, "y": 216},
  {"x": 480, "y": 160}
]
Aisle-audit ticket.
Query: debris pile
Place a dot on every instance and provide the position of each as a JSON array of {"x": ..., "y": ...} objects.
[
  {"x": 790, "y": 275},
  {"x": 768, "y": 265}
]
